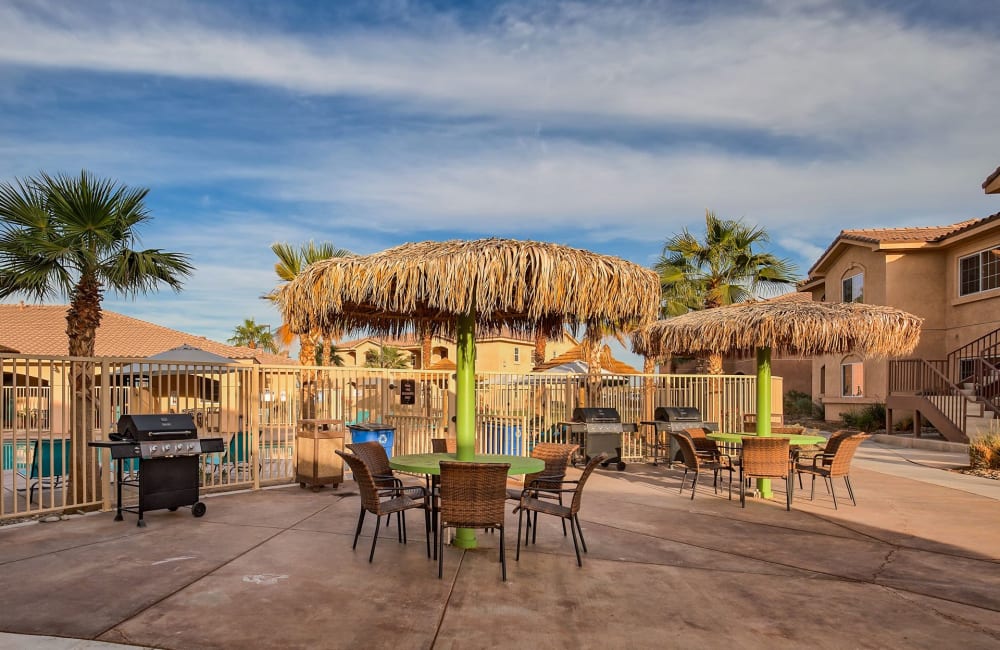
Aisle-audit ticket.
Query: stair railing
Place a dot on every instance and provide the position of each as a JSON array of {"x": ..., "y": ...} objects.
[
  {"x": 987, "y": 379},
  {"x": 927, "y": 379},
  {"x": 985, "y": 345}
]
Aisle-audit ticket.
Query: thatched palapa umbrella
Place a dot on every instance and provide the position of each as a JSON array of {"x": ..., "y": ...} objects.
[
  {"x": 456, "y": 286},
  {"x": 794, "y": 326}
]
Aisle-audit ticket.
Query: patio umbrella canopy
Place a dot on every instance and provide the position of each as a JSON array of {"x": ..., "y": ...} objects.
[
  {"x": 791, "y": 326},
  {"x": 522, "y": 285}
]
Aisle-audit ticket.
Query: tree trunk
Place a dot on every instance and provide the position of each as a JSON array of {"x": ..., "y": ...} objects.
[
  {"x": 307, "y": 357},
  {"x": 82, "y": 320},
  {"x": 538, "y": 357},
  {"x": 592, "y": 351},
  {"x": 426, "y": 348}
]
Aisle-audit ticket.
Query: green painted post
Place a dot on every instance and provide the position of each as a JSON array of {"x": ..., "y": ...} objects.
[
  {"x": 764, "y": 408},
  {"x": 465, "y": 407}
]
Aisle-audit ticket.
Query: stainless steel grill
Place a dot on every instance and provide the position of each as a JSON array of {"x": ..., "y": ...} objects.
[
  {"x": 167, "y": 448},
  {"x": 657, "y": 443},
  {"x": 599, "y": 430}
]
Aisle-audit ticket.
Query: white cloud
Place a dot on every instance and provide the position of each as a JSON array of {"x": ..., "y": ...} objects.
[{"x": 789, "y": 68}]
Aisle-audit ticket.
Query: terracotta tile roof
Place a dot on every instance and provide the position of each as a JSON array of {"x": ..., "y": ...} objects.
[
  {"x": 41, "y": 329},
  {"x": 992, "y": 177},
  {"x": 575, "y": 353},
  {"x": 915, "y": 234},
  {"x": 443, "y": 364}
]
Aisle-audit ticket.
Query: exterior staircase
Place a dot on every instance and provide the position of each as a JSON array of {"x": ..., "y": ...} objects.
[{"x": 958, "y": 395}]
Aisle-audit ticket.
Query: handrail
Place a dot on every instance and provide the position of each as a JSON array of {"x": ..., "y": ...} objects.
[
  {"x": 973, "y": 349},
  {"x": 924, "y": 378},
  {"x": 982, "y": 394}
]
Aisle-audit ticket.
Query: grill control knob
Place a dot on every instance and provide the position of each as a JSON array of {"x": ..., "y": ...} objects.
[
  {"x": 166, "y": 448},
  {"x": 191, "y": 446},
  {"x": 153, "y": 449}
]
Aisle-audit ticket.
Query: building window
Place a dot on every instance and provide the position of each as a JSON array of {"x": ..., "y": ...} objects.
[
  {"x": 822, "y": 380},
  {"x": 979, "y": 272},
  {"x": 517, "y": 355},
  {"x": 854, "y": 288},
  {"x": 853, "y": 382}
]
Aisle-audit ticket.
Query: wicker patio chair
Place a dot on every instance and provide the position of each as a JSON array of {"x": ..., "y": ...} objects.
[
  {"x": 473, "y": 495},
  {"x": 806, "y": 452},
  {"x": 765, "y": 458},
  {"x": 750, "y": 421},
  {"x": 546, "y": 483},
  {"x": 386, "y": 501},
  {"x": 702, "y": 445},
  {"x": 530, "y": 504},
  {"x": 697, "y": 461},
  {"x": 833, "y": 462},
  {"x": 443, "y": 445}
]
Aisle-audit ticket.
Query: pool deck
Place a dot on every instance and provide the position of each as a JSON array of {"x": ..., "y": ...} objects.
[{"x": 916, "y": 564}]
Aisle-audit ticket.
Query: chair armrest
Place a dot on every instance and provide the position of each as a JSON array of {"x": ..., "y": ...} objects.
[{"x": 822, "y": 457}]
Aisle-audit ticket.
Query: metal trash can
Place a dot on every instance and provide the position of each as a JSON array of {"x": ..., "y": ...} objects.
[{"x": 374, "y": 432}]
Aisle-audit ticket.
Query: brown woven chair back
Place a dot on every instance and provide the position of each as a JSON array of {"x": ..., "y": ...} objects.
[
  {"x": 750, "y": 422},
  {"x": 695, "y": 432},
  {"x": 843, "y": 453},
  {"x": 374, "y": 456},
  {"x": 686, "y": 445},
  {"x": 473, "y": 495},
  {"x": 556, "y": 457},
  {"x": 765, "y": 457},
  {"x": 366, "y": 484},
  {"x": 795, "y": 430},
  {"x": 587, "y": 471},
  {"x": 444, "y": 445}
]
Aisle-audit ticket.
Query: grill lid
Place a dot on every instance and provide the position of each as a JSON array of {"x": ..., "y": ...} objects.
[
  {"x": 677, "y": 414},
  {"x": 173, "y": 426},
  {"x": 599, "y": 414}
]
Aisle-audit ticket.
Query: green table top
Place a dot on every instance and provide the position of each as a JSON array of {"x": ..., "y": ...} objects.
[
  {"x": 793, "y": 438},
  {"x": 430, "y": 463}
]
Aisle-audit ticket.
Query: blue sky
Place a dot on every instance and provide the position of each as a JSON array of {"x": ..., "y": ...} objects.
[{"x": 608, "y": 126}]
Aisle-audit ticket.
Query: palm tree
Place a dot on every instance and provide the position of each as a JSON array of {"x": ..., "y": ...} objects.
[
  {"x": 291, "y": 262},
  {"x": 387, "y": 356},
  {"x": 74, "y": 236},
  {"x": 721, "y": 270},
  {"x": 538, "y": 355},
  {"x": 250, "y": 334}
]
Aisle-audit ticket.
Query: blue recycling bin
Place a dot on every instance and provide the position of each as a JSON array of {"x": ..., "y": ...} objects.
[
  {"x": 504, "y": 439},
  {"x": 374, "y": 432}
]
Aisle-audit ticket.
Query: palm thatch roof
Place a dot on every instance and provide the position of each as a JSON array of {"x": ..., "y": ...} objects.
[
  {"x": 520, "y": 285},
  {"x": 791, "y": 326}
]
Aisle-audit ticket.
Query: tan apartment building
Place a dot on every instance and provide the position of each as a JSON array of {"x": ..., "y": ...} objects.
[
  {"x": 506, "y": 352},
  {"x": 947, "y": 275}
]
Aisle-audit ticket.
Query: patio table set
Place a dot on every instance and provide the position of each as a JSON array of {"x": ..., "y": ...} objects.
[
  {"x": 778, "y": 455},
  {"x": 468, "y": 494}
]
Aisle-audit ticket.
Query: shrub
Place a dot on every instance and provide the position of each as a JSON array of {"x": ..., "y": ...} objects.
[
  {"x": 984, "y": 452},
  {"x": 870, "y": 418},
  {"x": 800, "y": 405}
]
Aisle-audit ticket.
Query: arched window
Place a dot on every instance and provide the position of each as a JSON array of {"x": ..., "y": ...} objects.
[
  {"x": 853, "y": 286},
  {"x": 852, "y": 373}
]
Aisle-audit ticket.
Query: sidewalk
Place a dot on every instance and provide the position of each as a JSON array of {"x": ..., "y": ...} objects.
[{"x": 914, "y": 565}]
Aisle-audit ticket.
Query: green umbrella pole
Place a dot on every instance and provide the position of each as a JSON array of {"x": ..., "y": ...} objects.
[
  {"x": 764, "y": 408},
  {"x": 465, "y": 406}
]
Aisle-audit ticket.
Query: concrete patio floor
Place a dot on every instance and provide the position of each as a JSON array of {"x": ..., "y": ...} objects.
[{"x": 916, "y": 564}]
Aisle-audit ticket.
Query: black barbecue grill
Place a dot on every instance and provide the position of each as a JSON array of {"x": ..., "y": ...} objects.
[
  {"x": 599, "y": 430},
  {"x": 167, "y": 447},
  {"x": 668, "y": 419}
]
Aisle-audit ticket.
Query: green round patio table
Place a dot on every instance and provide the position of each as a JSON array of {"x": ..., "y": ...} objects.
[
  {"x": 431, "y": 464},
  {"x": 794, "y": 440}
]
